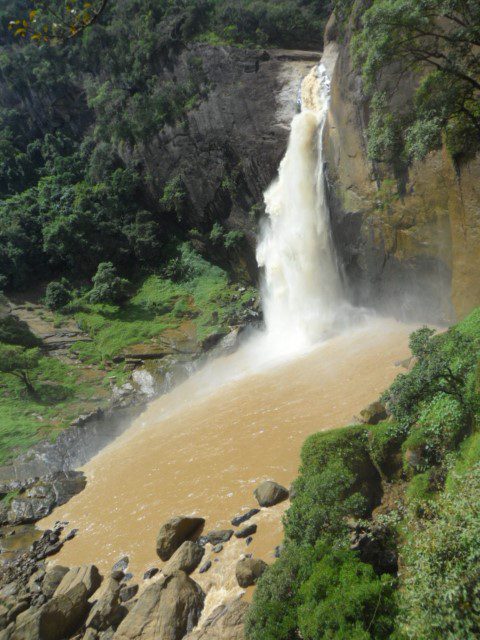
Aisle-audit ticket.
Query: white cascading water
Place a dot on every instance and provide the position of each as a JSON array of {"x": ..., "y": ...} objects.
[{"x": 302, "y": 291}]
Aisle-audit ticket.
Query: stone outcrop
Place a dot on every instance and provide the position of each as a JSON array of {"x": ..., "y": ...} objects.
[
  {"x": 414, "y": 253},
  {"x": 88, "y": 575},
  {"x": 167, "y": 610},
  {"x": 225, "y": 623},
  {"x": 174, "y": 532},
  {"x": 186, "y": 558},
  {"x": 269, "y": 493}
]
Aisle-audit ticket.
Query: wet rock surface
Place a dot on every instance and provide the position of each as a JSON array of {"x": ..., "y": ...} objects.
[
  {"x": 225, "y": 623},
  {"x": 186, "y": 558}
]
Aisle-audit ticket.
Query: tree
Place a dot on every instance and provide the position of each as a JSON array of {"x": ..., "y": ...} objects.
[
  {"x": 107, "y": 285},
  {"x": 438, "y": 41},
  {"x": 57, "y": 294},
  {"x": 18, "y": 362},
  {"x": 53, "y": 21},
  {"x": 444, "y": 365}
]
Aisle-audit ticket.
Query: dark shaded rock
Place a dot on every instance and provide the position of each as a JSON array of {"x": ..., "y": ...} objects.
[
  {"x": 246, "y": 531},
  {"x": 248, "y": 540},
  {"x": 71, "y": 535},
  {"x": 20, "y": 607},
  {"x": 244, "y": 517},
  {"x": 174, "y": 532},
  {"x": 121, "y": 565},
  {"x": 127, "y": 593},
  {"x": 217, "y": 548},
  {"x": 248, "y": 570},
  {"x": 374, "y": 544},
  {"x": 205, "y": 567},
  {"x": 278, "y": 551},
  {"x": 186, "y": 558},
  {"x": 217, "y": 537},
  {"x": 166, "y": 610},
  {"x": 270, "y": 493}
]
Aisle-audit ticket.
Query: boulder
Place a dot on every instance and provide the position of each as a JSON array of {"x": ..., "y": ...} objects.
[
  {"x": 270, "y": 493},
  {"x": 107, "y": 611},
  {"x": 166, "y": 610},
  {"x": 244, "y": 517},
  {"x": 248, "y": 570},
  {"x": 219, "y": 536},
  {"x": 127, "y": 593},
  {"x": 52, "y": 579},
  {"x": 57, "y": 619},
  {"x": 373, "y": 414},
  {"x": 149, "y": 573},
  {"x": 225, "y": 623},
  {"x": 174, "y": 532},
  {"x": 186, "y": 558},
  {"x": 246, "y": 531},
  {"x": 87, "y": 575}
]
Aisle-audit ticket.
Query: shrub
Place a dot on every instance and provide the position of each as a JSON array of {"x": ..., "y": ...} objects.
[
  {"x": 107, "y": 285},
  {"x": 344, "y": 598},
  {"x": 440, "y": 594},
  {"x": 337, "y": 478},
  {"x": 57, "y": 295}
]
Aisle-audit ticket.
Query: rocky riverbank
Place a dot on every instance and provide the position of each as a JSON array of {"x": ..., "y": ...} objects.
[{"x": 45, "y": 602}]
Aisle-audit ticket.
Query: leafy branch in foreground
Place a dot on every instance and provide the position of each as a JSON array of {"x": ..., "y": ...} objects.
[{"x": 49, "y": 20}]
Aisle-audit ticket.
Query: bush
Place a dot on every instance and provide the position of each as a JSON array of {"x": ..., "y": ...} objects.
[
  {"x": 440, "y": 594},
  {"x": 319, "y": 593},
  {"x": 384, "y": 444},
  {"x": 107, "y": 285},
  {"x": 344, "y": 598},
  {"x": 57, "y": 295},
  {"x": 337, "y": 478}
]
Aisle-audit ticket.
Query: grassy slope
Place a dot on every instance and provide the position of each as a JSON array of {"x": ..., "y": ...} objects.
[{"x": 204, "y": 298}]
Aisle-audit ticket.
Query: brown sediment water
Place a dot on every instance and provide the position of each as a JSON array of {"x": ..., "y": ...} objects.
[{"x": 202, "y": 450}]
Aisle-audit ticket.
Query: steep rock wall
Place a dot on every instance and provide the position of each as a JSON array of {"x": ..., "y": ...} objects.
[
  {"x": 228, "y": 148},
  {"x": 416, "y": 255}
]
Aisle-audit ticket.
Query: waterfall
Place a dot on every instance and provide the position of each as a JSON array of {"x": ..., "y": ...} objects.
[{"x": 301, "y": 290}]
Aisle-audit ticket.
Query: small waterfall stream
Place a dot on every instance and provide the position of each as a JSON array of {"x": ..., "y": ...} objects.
[{"x": 302, "y": 290}]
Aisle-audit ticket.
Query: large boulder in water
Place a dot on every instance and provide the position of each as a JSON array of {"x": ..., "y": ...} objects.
[
  {"x": 167, "y": 610},
  {"x": 248, "y": 570},
  {"x": 186, "y": 558},
  {"x": 270, "y": 493},
  {"x": 174, "y": 532}
]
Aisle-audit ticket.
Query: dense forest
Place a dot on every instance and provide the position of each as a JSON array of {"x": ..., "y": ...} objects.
[{"x": 382, "y": 533}]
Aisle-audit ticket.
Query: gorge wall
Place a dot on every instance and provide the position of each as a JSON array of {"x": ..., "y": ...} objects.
[{"x": 414, "y": 254}]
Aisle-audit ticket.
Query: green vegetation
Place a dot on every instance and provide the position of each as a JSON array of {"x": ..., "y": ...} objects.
[
  {"x": 421, "y": 468},
  {"x": 438, "y": 41}
]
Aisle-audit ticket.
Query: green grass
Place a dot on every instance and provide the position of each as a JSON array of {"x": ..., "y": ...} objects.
[
  {"x": 203, "y": 296},
  {"x": 64, "y": 392}
]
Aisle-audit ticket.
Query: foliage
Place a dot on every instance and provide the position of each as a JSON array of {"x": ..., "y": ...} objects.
[
  {"x": 344, "y": 598},
  {"x": 444, "y": 365},
  {"x": 107, "y": 285},
  {"x": 57, "y": 294},
  {"x": 18, "y": 361},
  {"x": 440, "y": 596},
  {"x": 438, "y": 40}
]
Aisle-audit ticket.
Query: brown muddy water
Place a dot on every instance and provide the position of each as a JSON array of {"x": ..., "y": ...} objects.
[{"x": 204, "y": 447}]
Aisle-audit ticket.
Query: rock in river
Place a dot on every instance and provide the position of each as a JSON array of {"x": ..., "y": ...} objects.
[
  {"x": 248, "y": 570},
  {"x": 174, "y": 532},
  {"x": 270, "y": 493}
]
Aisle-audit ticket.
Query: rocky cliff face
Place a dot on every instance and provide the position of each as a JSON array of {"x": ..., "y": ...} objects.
[
  {"x": 415, "y": 254},
  {"x": 228, "y": 149}
]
